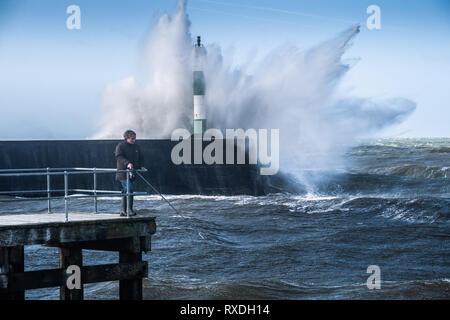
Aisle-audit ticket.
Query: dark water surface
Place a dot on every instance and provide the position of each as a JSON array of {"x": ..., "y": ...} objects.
[{"x": 391, "y": 209}]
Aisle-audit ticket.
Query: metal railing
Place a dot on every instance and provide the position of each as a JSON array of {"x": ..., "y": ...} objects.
[{"x": 66, "y": 172}]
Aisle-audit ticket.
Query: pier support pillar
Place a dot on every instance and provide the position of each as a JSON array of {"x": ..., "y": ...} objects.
[
  {"x": 70, "y": 256},
  {"x": 12, "y": 261},
  {"x": 131, "y": 289}
]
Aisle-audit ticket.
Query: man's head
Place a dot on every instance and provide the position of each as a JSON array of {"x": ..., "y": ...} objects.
[{"x": 130, "y": 136}]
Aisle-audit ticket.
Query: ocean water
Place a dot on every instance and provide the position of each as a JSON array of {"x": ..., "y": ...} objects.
[{"x": 390, "y": 208}]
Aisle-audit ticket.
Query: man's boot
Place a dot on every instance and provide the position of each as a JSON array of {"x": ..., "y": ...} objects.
[
  {"x": 132, "y": 212},
  {"x": 123, "y": 207}
]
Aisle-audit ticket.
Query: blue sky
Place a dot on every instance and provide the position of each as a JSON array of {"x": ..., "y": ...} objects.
[{"x": 52, "y": 78}]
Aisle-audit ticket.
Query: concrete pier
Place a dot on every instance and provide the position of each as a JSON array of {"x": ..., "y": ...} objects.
[{"x": 129, "y": 236}]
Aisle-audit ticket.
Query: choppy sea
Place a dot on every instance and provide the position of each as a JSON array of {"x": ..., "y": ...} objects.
[{"x": 390, "y": 208}]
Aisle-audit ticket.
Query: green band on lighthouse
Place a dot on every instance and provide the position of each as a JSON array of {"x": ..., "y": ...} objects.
[
  {"x": 199, "y": 126},
  {"x": 199, "y": 83}
]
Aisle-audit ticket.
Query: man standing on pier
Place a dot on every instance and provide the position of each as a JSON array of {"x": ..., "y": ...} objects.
[{"x": 128, "y": 156}]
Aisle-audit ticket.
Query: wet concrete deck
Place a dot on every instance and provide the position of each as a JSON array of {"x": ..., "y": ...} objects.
[{"x": 27, "y": 229}]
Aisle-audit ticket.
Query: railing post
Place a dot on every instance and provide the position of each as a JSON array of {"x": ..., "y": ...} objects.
[
  {"x": 128, "y": 194},
  {"x": 66, "y": 192},
  {"x": 95, "y": 191},
  {"x": 49, "y": 210}
]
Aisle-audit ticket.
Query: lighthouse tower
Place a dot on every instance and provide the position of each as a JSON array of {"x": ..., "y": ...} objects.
[{"x": 199, "y": 90}]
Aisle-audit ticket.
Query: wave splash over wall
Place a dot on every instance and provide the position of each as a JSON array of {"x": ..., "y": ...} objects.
[{"x": 290, "y": 89}]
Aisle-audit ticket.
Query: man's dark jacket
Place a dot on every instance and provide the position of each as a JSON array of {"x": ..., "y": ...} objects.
[{"x": 127, "y": 153}]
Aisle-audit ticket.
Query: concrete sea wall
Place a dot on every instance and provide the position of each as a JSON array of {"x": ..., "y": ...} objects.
[{"x": 167, "y": 177}]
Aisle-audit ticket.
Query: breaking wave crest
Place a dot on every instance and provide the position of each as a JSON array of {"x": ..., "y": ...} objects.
[{"x": 290, "y": 89}]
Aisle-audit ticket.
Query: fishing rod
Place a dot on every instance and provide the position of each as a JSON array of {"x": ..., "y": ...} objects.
[
  {"x": 145, "y": 180},
  {"x": 148, "y": 183}
]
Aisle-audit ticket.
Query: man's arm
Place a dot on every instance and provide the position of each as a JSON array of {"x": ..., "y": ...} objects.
[{"x": 120, "y": 156}]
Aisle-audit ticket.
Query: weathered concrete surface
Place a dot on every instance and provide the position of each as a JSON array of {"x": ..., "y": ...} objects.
[{"x": 27, "y": 229}]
